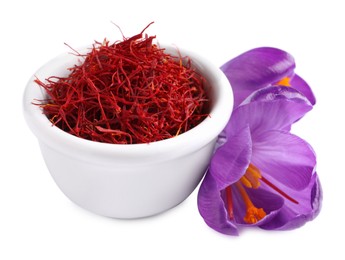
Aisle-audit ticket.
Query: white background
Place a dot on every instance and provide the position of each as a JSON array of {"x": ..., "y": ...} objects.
[{"x": 38, "y": 222}]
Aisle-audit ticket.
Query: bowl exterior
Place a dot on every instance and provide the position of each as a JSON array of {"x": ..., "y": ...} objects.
[{"x": 134, "y": 191}]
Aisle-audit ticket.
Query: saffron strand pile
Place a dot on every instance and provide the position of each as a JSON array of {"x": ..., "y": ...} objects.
[{"x": 127, "y": 92}]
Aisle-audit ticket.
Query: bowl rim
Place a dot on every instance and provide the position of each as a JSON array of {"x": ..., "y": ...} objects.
[{"x": 187, "y": 142}]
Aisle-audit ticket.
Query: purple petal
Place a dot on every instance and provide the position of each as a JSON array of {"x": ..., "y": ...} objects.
[
  {"x": 271, "y": 108},
  {"x": 298, "y": 83},
  {"x": 211, "y": 207},
  {"x": 284, "y": 157},
  {"x": 231, "y": 160},
  {"x": 293, "y": 215},
  {"x": 270, "y": 93},
  {"x": 256, "y": 69}
]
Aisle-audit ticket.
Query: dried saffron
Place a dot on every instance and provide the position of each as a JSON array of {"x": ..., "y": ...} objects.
[{"x": 126, "y": 92}]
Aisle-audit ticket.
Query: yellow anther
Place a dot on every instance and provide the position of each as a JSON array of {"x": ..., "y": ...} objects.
[
  {"x": 251, "y": 178},
  {"x": 284, "y": 82},
  {"x": 246, "y": 182}
]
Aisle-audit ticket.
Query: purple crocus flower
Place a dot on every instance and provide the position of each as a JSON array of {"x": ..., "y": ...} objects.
[
  {"x": 262, "y": 175},
  {"x": 262, "y": 67}
]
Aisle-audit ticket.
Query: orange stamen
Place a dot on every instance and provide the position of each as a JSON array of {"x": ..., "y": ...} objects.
[
  {"x": 251, "y": 178},
  {"x": 253, "y": 214},
  {"x": 246, "y": 182},
  {"x": 284, "y": 82}
]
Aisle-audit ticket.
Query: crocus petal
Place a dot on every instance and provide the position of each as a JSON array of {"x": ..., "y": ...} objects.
[
  {"x": 298, "y": 83},
  {"x": 285, "y": 157},
  {"x": 211, "y": 207},
  {"x": 269, "y": 108},
  {"x": 231, "y": 160},
  {"x": 256, "y": 69},
  {"x": 270, "y": 93},
  {"x": 228, "y": 164},
  {"x": 291, "y": 215}
]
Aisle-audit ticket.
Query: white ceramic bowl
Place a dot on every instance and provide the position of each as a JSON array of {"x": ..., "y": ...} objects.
[{"x": 128, "y": 181}]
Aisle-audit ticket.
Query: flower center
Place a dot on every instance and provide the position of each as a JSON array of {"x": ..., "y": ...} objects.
[
  {"x": 284, "y": 82},
  {"x": 253, "y": 214},
  {"x": 251, "y": 179}
]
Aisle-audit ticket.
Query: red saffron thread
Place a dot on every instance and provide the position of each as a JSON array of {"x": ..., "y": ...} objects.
[
  {"x": 229, "y": 200},
  {"x": 270, "y": 184},
  {"x": 126, "y": 92}
]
